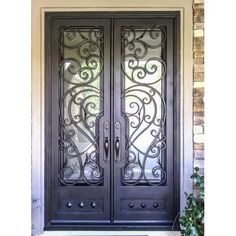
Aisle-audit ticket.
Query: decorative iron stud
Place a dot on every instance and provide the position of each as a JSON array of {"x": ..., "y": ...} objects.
[
  {"x": 131, "y": 204},
  {"x": 155, "y": 204},
  {"x": 81, "y": 204},
  {"x": 93, "y": 204},
  {"x": 69, "y": 204},
  {"x": 143, "y": 204}
]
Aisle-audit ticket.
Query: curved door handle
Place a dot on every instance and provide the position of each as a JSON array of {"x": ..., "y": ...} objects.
[
  {"x": 117, "y": 141},
  {"x": 106, "y": 141},
  {"x": 117, "y": 149},
  {"x": 106, "y": 148}
]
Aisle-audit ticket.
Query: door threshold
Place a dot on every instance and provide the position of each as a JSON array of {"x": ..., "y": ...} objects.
[{"x": 111, "y": 233}]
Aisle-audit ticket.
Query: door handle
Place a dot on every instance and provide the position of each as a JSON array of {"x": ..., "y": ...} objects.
[
  {"x": 106, "y": 141},
  {"x": 117, "y": 141},
  {"x": 117, "y": 149},
  {"x": 106, "y": 148}
]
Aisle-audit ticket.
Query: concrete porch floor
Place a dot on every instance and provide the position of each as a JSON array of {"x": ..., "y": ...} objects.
[{"x": 111, "y": 233}]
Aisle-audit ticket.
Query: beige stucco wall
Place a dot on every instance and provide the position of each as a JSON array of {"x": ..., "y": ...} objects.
[{"x": 39, "y": 7}]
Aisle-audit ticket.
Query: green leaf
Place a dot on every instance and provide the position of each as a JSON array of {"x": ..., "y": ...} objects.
[{"x": 192, "y": 220}]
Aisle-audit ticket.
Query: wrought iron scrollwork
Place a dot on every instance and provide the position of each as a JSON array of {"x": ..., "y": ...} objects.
[
  {"x": 143, "y": 104},
  {"x": 81, "y": 104}
]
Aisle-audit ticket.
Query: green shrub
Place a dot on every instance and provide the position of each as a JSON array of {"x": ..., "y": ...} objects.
[{"x": 192, "y": 222}]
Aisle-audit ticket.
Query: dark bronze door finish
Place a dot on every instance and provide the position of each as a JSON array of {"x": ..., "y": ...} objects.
[{"x": 111, "y": 109}]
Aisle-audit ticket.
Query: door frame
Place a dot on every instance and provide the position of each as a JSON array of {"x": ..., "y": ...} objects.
[
  {"x": 53, "y": 22},
  {"x": 38, "y": 12}
]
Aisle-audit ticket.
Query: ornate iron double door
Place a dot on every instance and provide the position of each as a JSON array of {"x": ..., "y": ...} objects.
[{"x": 110, "y": 121}]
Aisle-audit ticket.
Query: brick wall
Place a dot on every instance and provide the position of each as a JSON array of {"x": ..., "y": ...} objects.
[{"x": 198, "y": 83}]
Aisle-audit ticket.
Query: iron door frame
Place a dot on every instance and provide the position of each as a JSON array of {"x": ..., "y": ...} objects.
[{"x": 105, "y": 225}]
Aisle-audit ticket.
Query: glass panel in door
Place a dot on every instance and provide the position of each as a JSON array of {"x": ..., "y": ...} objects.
[
  {"x": 81, "y": 104},
  {"x": 143, "y": 103}
]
